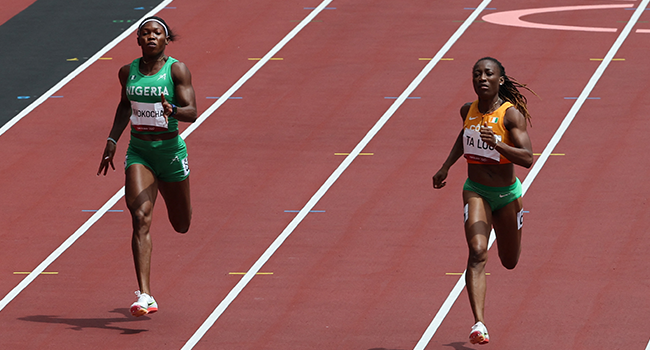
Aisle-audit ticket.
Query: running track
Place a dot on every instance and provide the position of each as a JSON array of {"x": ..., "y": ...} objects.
[{"x": 367, "y": 269}]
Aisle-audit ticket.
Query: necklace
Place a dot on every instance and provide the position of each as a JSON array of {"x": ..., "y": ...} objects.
[{"x": 494, "y": 106}]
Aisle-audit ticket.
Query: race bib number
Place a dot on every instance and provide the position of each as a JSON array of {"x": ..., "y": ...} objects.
[
  {"x": 148, "y": 116},
  {"x": 478, "y": 150},
  {"x": 186, "y": 166}
]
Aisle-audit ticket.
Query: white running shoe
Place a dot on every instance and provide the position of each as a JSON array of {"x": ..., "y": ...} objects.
[
  {"x": 145, "y": 305},
  {"x": 479, "y": 334}
]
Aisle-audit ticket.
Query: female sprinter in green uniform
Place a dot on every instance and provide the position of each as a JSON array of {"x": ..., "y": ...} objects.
[
  {"x": 493, "y": 139},
  {"x": 157, "y": 93}
]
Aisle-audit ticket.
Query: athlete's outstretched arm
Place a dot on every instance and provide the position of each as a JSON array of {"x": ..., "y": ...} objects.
[
  {"x": 454, "y": 155},
  {"x": 456, "y": 152},
  {"x": 122, "y": 116}
]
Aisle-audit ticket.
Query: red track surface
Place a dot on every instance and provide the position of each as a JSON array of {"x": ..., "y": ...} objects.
[
  {"x": 12, "y": 8},
  {"x": 369, "y": 272}
]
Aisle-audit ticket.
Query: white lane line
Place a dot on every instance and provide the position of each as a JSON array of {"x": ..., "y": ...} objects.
[
  {"x": 62, "y": 248},
  {"x": 269, "y": 55},
  {"x": 80, "y": 69},
  {"x": 221, "y": 308},
  {"x": 584, "y": 95},
  {"x": 68, "y": 242},
  {"x": 451, "y": 299}
]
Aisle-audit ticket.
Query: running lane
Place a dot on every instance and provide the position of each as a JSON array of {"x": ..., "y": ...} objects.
[
  {"x": 326, "y": 276},
  {"x": 576, "y": 285}
]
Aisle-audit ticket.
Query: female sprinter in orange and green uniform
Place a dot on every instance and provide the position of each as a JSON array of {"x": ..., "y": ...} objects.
[
  {"x": 157, "y": 93},
  {"x": 493, "y": 140}
]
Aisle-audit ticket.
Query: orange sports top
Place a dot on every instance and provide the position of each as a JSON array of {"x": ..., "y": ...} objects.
[{"x": 476, "y": 151}]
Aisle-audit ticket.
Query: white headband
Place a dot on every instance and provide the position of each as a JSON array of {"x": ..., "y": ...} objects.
[{"x": 157, "y": 21}]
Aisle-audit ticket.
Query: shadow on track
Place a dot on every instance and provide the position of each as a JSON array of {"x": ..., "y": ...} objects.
[
  {"x": 458, "y": 346},
  {"x": 78, "y": 324}
]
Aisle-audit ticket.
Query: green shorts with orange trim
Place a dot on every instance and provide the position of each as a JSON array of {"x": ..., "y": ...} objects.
[
  {"x": 497, "y": 197},
  {"x": 167, "y": 159}
]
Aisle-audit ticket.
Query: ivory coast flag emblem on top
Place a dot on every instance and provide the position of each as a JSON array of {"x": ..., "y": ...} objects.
[{"x": 494, "y": 120}]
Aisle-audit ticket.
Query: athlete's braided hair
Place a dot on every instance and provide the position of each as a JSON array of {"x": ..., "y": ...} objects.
[{"x": 509, "y": 90}]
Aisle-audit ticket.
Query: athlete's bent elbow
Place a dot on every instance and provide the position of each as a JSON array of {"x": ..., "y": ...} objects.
[{"x": 192, "y": 117}]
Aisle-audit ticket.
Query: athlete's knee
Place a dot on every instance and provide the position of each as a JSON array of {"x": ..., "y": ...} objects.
[
  {"x": 182, "y": 225},
  {"x": 509, "y": 261},
  {"x": 510, "y": 264},
  {"x": 477, "y": 255},
  {"x": 141, "y": 218}
]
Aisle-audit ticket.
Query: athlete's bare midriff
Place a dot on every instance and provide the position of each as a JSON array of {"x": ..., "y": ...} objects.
[{"x": 493, "y": 175}]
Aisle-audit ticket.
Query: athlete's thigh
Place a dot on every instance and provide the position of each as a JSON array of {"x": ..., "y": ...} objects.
[
  {"x": 177, "y": 199},
  {"x": 141, "y": 187},
  {"x": 478, "y": 219},
  {"x": 508, "y": 222}
]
